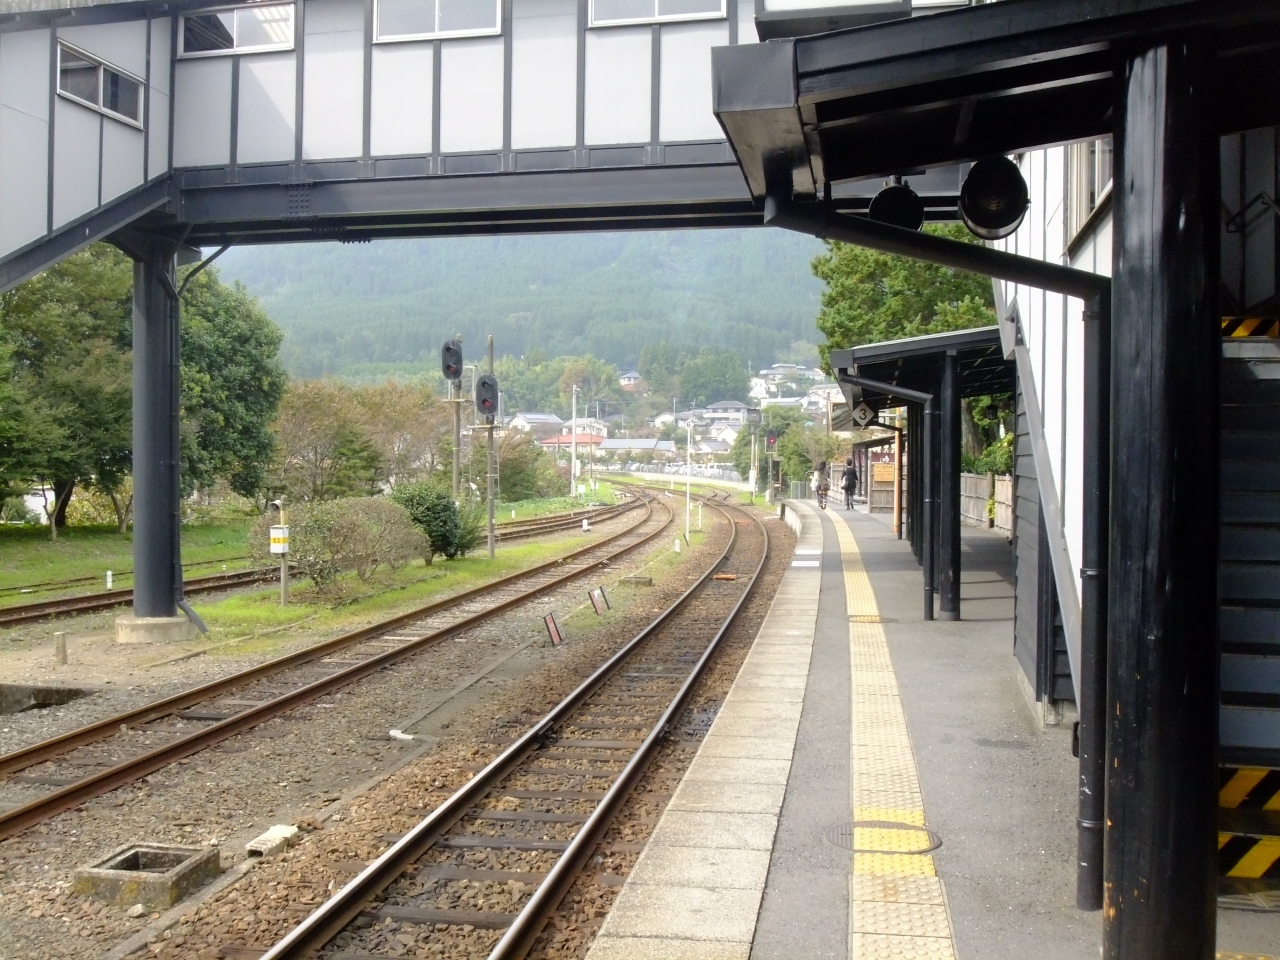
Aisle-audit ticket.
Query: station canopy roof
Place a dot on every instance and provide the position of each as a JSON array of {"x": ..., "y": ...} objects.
[
  {"x": 916, "y": 364},
  {"x": 909, "y": 95}
]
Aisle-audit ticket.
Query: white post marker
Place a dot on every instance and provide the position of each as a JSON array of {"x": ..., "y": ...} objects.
[
  {"x": 280, "y": 545},
  {"x": 677, "y": 544},
  {"x": 108, "y": 579}
]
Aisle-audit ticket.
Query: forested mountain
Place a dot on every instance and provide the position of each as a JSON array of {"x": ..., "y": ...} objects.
[{"x": 385, "y": 307}]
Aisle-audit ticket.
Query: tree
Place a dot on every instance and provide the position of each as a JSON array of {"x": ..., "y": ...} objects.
[
  {"x": 67, "y": 333},
  {"x": 712, "y": 376},
  {"x": 803, "y": 447},
  {"x": 873, "y": 296},
  {"x": 232, "y": 384},
  {"x": 321, "y": 452},
  {"x": 408, "y": 427},
  {"x": 595, "y": 380}
]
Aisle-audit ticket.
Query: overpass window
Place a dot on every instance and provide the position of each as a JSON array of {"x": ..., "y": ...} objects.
[
  {"x": 612, "y": 12},
  {"x": 426, "y": 19},
  {"x": 1088, "y": 181},
  {"x": 94, "y": 83},
  {"x": 248, "y": 29}
]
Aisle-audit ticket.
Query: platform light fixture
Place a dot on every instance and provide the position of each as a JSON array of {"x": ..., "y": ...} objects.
[
  {"x": 994, "y": 198},
  {"x": 897, "y": 204}
]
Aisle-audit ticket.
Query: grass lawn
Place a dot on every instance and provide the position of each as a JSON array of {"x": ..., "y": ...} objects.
[
  {"x": 527, "y": 509},
  {"x": 254, "y": 621},
  {"x": 28, "y": 556}
]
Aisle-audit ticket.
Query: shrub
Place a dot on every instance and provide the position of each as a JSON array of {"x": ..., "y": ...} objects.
[
  {"x": 357, "y": 533},
  {"x": 433, "y": 511},
  {"x": 473, "y": 523}
]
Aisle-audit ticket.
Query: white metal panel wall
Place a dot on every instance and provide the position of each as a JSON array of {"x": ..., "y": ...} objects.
[
  {"x": 684, "y": 111},
  {"x": 265, "y": 127},
  {"x": 400, "y": 102},
  {"x": 471, "y": 94},
  {"x": 77, "y": 132},
  {"x": 24, "y": 137},
  {"x": 202, "y": 112},
  {"x": 544, "y": 73},
  {"x": 123, "y": 148},
  {"x": 158, "y": 98},
  {"x": 333, "y": 79},
  {"x": 747, "y": 22},
  {"x": 121, "y": 44},
  {"x": 619, "y": 85}
]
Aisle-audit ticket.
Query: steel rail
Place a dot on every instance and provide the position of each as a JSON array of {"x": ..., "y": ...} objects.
[
  {"x": 519, "y": 938},
  {"x": 93, "y": 602},
  {"x": 45, "y": 586},
  {"x": 335, "y": 914},
  {"x": 18, "y": 819}
]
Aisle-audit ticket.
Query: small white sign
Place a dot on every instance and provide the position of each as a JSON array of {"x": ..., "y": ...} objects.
[
  {"x": 279, "y": 539},
  {"x": 862, "y": 415}
]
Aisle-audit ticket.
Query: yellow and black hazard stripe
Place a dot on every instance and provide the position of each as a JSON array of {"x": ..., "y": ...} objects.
[
  {"x": 1249, "y": 788},
  {"x": 1251, "y": 327},
  {"x": 1251, "y": 858}
]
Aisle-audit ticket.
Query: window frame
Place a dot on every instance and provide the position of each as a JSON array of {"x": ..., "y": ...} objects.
[
  {"x": 1083, "y": 163},
  {"x": 101, "y": 65},
  {"x": 495, "y": 31},
  {"x": 592, "y": 24},
  {"x": 234, "y": 49}
]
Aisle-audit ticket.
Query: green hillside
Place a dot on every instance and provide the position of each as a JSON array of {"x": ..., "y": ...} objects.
[{"x": 385, "y": 307}]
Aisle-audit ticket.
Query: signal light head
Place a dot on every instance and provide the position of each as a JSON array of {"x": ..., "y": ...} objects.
[
  {"x": 487, "y": 395},
  {"x": 994, "y": 198},
  {"x": 451, "y": 360},
  {"x": 897, "y": 204}
]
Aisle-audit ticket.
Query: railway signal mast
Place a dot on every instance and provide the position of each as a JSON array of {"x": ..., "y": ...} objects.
[
  {"x": 451, "y": 367},
  {"x": 486, "y": 392}
]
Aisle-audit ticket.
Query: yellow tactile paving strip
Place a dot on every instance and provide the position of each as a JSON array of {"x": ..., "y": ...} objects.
[{"x": 897, "y": 905}]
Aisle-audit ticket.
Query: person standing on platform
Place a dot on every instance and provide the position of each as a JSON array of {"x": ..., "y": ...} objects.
[{"x": 849, "y": 482}]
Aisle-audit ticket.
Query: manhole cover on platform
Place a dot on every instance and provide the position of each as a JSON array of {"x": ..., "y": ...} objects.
[
  {"x": 870, "y": 618},
  {"x": 883, "y": 836}
]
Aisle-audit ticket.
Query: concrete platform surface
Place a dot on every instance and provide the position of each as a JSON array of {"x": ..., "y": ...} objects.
[{"x": 875, "y": 785}]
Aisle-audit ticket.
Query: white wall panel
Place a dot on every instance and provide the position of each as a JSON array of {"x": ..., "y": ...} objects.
[
  {"x": 121, "y": 44},
  {"x": 158, "y": 98},
  {"x": 202, "y": 113},
  {"x": 544, "y": 73},
  {"x": 75, "y": 160},
  {"x": 122, "y": 150},
  {"x": 401, "y": 101},
  {"x": 24, "y": 72},
  {"x": 747, "y": 22},
  {"x": 619, "y": 85},
  {"x": 333, "y": 80},
  {"x": 684, "y": 101},
  {"x": 471, "y": 82},
  {"x": 266, "y": 125},
  {"x": 1073, "y": 441},
  {"x": 24, "y": 177}
]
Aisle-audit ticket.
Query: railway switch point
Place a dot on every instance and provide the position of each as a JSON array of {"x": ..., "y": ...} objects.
[{"x": 154, "y": 629}]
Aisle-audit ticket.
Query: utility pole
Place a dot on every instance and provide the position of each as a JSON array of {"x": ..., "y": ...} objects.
[
  {"x": 491, "y": 457},
  {"x": 573, "y": 446},
  {"x": 455, "y": 394},
  {"x": 688, "y": 474},
  {"x": 754, "y": 472}
]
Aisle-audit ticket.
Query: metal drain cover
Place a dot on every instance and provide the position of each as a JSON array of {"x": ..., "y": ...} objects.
[
  {"x": 883, "y": 836},
  {"x": 870, "y": 618}
]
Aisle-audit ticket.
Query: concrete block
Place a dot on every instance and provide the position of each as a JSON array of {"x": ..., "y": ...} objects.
[
  {"x": 276, "y": 840},
  {"x": 154, "y": 629},
  {"x": 154, "y": 874}
]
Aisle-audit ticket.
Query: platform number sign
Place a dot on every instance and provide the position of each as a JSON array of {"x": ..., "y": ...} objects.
[
  {"x": 862, "y": 415},
  {"x": 279, "y": 539}
]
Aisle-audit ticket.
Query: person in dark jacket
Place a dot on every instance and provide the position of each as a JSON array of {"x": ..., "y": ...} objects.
[{"x": 848, "y": 482}]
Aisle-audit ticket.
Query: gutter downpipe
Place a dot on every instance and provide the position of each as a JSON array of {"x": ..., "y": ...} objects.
[
  {"x": 927, "y": 546},
  {"x": 824, "y": 221}
]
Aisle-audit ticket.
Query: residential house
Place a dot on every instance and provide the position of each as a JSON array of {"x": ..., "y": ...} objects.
[{"x": 538, "y": 424}]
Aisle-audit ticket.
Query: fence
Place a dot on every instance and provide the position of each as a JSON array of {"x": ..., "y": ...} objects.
[{"x": 987, "y": 501}]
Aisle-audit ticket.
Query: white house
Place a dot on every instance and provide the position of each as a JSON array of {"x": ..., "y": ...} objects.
[{"x": 538, "y": 424}]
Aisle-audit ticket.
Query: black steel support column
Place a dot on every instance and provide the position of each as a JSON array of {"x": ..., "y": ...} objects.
[
  {"x": 949, "y": 491},
  {"x": 1093, "y": 601},
  {"x": 914, "y": 446},
  {"x": 933, "y": 495},
  {"x": 157, "y": 558},
  {"x": 1161, "y": 803}
]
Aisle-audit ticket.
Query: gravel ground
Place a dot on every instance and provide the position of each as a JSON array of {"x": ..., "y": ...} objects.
[
  {"x": 294, "y": 769},
  {"x": 119, "y": 677}
]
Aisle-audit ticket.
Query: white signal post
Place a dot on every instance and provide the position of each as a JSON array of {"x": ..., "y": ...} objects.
[
  {"x": 280, "y": 545},
  {"x": 573, "y": 446}
]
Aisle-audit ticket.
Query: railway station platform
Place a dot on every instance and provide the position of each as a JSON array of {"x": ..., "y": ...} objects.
[{"x": 875, "y": 785}]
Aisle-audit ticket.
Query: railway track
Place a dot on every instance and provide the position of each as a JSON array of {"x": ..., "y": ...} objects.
[
  {"x": 17, "y": 614},
  {"x": 536, "y": 814},
  {"x": 94, "y": 602},
  {"x": 48, "y": 586},
  {"x": 115, "y": 750}
]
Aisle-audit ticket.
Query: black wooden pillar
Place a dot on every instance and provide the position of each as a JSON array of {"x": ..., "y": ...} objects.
[
  {"x": 1161, "y": 795},
  {"x": 157, "y": 559},
  {"x": 914, "y": 447},
  {"x": 933, "y": 463},
  {"x": 949, "y": 491}
]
